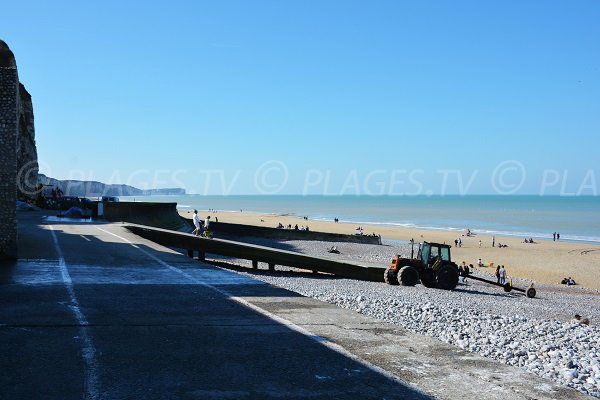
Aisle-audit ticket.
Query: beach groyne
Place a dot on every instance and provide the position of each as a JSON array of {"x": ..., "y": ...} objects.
[
  {"x": 158, "y": 215},
  {"x": 233, "y": 230}
]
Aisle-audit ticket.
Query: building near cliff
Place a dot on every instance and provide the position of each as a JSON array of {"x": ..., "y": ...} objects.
[{"x": 18, "y": 155}]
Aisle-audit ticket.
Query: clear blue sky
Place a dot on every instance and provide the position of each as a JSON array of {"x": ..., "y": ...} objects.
[{"x": 333, "y": 97}]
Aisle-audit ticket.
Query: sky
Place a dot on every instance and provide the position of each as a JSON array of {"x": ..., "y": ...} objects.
[{"x": 315, "y": 97}]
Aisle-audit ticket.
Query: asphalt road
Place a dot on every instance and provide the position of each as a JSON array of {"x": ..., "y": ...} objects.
[
  {"x": 86, "y": 315},
  {"x": 91, "y": 311}
]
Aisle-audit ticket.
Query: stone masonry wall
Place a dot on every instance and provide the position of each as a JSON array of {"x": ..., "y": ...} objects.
[{"x": 9, "y": 87}]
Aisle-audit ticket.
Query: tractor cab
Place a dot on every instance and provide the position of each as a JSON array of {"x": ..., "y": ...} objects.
[{"x": 429, "y": 253}]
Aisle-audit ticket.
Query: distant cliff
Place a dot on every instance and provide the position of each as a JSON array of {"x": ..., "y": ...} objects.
[{"x": 98, "y": 189}]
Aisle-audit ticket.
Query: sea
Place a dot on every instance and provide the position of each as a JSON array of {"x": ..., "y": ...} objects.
[{"x": 575, "y": 218}]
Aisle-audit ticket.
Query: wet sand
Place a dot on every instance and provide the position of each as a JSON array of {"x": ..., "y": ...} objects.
[{"x": 545, "y": 261}]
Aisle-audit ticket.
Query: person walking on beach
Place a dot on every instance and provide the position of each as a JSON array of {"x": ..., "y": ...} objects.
[
  {"x": 196, "y": 220},
  {"x": 502, "y": 273},
  {"x": 479, "y": 242},
  {"x": 206, "y": 223},
  {"x": 455, "y": 242},
  {"x": 498, "y": 273},
  {"x": 557, "y": 236},
  {"x": 493, "y": 241},
  {"x": 554, "y": 237},
  {"x": 459, "y": 242}
]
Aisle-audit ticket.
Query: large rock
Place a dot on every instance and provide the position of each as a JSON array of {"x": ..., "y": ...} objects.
[{"x": 27, "y": 160}]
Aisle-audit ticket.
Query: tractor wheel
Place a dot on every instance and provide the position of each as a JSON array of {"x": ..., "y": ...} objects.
[
  {"x": 531, "y": 293},
  {"x": 447, "y": 277},
  {"x": 427, "y": 278},
  {"x": 507, "y": 287},
  {"x": 408, "y": 276},
  {"x": 390, "y": 276}
]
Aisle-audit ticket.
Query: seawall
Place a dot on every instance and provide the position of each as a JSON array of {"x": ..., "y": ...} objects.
[{"x": 158, "y": 215}]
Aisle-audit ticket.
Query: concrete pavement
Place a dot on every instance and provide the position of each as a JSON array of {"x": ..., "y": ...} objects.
[{"x": 91, "y": 311}]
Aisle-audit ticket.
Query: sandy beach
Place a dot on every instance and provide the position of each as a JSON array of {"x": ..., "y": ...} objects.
[{"x": 545, "y": 261}]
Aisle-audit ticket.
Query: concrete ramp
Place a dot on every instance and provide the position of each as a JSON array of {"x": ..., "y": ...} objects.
[{"x": 257, "y": 254}]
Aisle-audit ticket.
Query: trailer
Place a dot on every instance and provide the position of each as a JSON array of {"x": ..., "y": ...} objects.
[{"x": 508, "y": 287}]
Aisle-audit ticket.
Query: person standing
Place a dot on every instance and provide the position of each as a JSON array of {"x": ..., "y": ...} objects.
[
  {"x": 479, "y": 242},
  {"x": 502, "y": 273},
  {"x": 459, "y": 242},
  {"x": 557, "y": 236},
  {"x": 493, "y": 241},
  {"x": 206, "y": 223},
  {"x": 196, "y": 221},
  {"x": 498, "y": 273},
  {"x": 554, "y": 237}
]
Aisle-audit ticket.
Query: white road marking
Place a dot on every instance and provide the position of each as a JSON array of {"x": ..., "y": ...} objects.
[
  {"x": 321, "y": 340},
  {"x": 89, "y": 240},
  {"x": 91, "y": 385}
]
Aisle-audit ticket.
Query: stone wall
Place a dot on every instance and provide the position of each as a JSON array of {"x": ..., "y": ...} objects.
[{"x": 9, "y": 92}]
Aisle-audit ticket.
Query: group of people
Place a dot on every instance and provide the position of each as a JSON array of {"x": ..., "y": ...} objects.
[
  {"x": 295, "y": 227},
  {"x": 200, "y": 227},
  {"x": 458, "y": 242},
  {"x": 556, "y": 236},
  {"x": 530, "y": 240},
  {"x": 501, "y": 274},
  {"x": 568, "y": 281}
]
